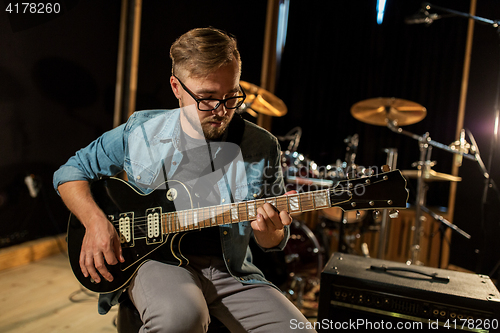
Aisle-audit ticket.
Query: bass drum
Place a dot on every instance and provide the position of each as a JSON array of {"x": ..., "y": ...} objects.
[
  {"x": 303, "y": 256},
  {"x": 303, "y": 253}
]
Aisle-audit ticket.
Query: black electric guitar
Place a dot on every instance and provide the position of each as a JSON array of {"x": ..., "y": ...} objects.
[{"x": 162, "y": 217}]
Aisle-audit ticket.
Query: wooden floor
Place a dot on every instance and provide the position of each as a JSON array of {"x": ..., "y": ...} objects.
[
  {"x": 45, "y": 297},
  {"x": 39, "y": 294}
]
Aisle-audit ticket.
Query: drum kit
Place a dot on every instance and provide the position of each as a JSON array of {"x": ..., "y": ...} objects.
[{"x": 307, "y": 250}]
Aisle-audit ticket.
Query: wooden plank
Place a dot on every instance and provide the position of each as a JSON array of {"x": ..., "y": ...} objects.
[
  {"x": 45, "y": 297},
  {"x": 25, "y": 253}
]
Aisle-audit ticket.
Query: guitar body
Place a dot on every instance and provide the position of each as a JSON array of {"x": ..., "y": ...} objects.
[{"x": 120, "y": 201}]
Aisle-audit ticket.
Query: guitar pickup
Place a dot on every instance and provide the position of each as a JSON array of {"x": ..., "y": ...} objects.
[
  {"x": 126, "y": 229},
  {"x": 154, "y": 230}
]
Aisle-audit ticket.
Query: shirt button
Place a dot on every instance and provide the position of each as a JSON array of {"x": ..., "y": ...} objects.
[
  {"x": 138, "y": 177},
  {"x": 223, "y": 200},
  {"x": 174, "y": 163},
  {"x": 225, "y": 232},
  {"x": 255, "y": 195}
]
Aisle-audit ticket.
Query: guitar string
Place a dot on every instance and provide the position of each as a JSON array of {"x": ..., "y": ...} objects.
[
  {"x": 305, "y": 199},
  {"x": 142, "y": 221},
  {"x": 189, "y": 214},
  {"x": 206, "y": 211}
]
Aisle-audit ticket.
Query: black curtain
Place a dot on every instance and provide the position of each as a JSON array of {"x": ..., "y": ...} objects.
[
  {"x": 57, "y": 88},
  {"x": 57, "y": 79},
  {"x": 164, "y": 21}
]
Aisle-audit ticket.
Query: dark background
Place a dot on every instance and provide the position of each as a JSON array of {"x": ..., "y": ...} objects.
[{"x": 58, "y": 72}]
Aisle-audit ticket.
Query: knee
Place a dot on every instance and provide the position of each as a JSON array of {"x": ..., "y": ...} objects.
[{"x": 177, "y": 321}]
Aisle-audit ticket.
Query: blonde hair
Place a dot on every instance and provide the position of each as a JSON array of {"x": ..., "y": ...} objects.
[{"x": 202, "y": 51}]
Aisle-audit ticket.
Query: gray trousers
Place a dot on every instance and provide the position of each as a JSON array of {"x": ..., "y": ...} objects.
[{"x": 181, "y": 299}]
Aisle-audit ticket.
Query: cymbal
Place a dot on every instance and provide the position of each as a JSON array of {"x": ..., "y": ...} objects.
[
  {"x": 431, "y": 175},
  {"x": 379, "y": 111},
  {"x": 262, "y": 101}
]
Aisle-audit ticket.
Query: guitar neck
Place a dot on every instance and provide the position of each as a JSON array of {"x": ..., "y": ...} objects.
[
  {"x": 198, "y": 218},
  {"x": 384, "y": 190}
]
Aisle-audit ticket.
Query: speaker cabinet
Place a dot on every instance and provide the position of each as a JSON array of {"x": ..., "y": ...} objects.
[{"x": 361, "y": 293}]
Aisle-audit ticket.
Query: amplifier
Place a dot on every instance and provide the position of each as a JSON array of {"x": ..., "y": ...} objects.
[{"x": 362, "y": 293}]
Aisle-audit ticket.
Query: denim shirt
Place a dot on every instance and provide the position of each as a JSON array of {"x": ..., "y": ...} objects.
[{"x": 150, "y": 139}]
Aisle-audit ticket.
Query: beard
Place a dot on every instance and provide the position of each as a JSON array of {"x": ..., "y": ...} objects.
[
  {"x": 205, "y": 126},
  {"x": 215, "y": 132}
]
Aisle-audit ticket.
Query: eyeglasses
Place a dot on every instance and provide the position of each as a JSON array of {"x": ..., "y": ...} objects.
[{"x": 210, "y": 104}]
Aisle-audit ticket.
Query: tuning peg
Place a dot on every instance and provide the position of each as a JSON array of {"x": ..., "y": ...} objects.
[
  {"x": 358, "y": 215},
  {"x": 369, "y": 172},
  {"x": 393, "y": 213},
  {"x": 386, "y": 168},
  {"x": 376, "y": 215}
]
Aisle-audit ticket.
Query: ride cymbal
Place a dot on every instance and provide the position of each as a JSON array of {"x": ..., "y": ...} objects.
[
  {"x": 379, "y": 111},
  {"x": 262, "y": 101}
]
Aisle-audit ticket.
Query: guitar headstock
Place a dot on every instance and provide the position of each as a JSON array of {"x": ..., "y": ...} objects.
[{"x": 383, "y": 190}]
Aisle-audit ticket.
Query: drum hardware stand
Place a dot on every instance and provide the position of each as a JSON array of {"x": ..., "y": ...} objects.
[
  {"x": 298, "y": 283},
  {"x": 442, "y": 229},
  {"x": 342, "y": 245},
  {"x": 293, "y": 136},
  {"x": 350, "y": 168},
  {"x": 351, "y": 151},
  {"x": 424, "y": 164},
  {"x": 296, "y": 289},
  {"x": 392, "y": 157}
]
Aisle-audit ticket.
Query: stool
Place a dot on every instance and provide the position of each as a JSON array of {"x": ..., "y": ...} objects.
[{"x": 128, "y": 320}]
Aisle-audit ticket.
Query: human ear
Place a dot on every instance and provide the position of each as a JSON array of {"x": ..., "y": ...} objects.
[{"x": 174, "y": 84}]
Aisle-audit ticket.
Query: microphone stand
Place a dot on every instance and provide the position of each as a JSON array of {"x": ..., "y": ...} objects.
[
  {"x": 391, "y": 124},
  {"x": 495, "y": 24},
  {"x": 494, "y": 140}
]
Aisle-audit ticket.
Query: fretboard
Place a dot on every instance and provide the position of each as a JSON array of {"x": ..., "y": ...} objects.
[{"x": 198, "y": 218}]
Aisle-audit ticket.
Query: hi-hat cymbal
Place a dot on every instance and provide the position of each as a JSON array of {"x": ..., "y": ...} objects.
[
  {"x": 262, "y": 101},
  {"x": 379, "y": 111}
]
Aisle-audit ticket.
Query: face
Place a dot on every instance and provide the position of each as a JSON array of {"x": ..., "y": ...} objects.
[{"x": 221, "y": 84}]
